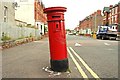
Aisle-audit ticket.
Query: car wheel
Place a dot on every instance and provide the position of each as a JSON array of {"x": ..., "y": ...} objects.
[{"x": 97, "y": 37}]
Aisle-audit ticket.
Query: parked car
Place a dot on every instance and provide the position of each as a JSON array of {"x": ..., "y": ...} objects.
[{"x": 107, "y": 32}]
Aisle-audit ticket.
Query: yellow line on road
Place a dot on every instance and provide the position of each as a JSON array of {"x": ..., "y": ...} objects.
[
  {"x": 86, "y": 66},
  {"x": 77, "y": 65}
]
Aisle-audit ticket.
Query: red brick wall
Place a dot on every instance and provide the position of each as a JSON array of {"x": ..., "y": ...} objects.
[
  {"x": 113, "y": 16},
  {"x": 119, "y": 13},
  {"x": 39, "y": 14},
  {"x": 89, "y": 22}
]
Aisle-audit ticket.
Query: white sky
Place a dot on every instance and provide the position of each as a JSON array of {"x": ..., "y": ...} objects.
[{"x": 78, "y": 9}]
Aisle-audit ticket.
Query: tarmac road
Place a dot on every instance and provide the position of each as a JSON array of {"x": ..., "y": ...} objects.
[{"x": 28, "y": 60}]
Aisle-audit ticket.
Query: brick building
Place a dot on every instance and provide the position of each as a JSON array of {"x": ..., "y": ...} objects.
[
  {"x": 39, "y": 14},
  {"x": 112, "y": 15},
  {"x": 119, "y": 13},
  {"x": 90, "y": 23},
  {"x": 40, "y": 17}
]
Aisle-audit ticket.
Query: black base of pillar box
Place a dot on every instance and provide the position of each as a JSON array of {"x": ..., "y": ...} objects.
[{"x": 59, "y": 65}]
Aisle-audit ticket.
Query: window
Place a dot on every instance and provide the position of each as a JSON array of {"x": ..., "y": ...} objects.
[
  {"x": 113, "y": 27},
  {"x": 112, "y": 19},
  {"x": 116, "y": 10},
  {"x": 110, "y": 13},
  {"x": 5, "y": 13},
  {"x": 23, "y": 0},
  {"x": 115, "y": 18},
  {"x": 113, "y": 11},
  {"x": 103, "y": 29},
  {"x": 5, "y": 20}
]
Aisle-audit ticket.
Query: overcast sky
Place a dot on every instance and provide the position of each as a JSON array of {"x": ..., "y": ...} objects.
[{"x": 78, "y": 9}]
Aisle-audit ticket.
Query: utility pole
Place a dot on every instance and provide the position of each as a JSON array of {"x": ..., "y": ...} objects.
[
  {"x": 119, "y": 16},
  {"x": 95, "y": 22}
]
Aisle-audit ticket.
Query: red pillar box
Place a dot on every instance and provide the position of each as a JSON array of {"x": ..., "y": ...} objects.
[{"x": 57, "y": 38}]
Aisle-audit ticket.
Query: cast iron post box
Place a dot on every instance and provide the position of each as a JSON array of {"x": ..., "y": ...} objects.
[{"x": 57, "y": 38}]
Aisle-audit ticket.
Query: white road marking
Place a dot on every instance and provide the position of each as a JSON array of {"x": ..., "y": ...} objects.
[
  {"x": 86, "y": 66},
  {"x": 107, "y": 44},
  {"x": 110, "y": 49},
  {"x": 113, "y": 41},
  {"x": 99, "y": 40},
  {"x": 78, "y": 44},
  {"x": 108, "y": 41},
  {"x": 77, "y": 65}
]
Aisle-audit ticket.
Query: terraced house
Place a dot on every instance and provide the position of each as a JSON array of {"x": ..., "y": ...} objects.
[
  {"x": 112, "y": 15},
  {"x": 90, "y": 23}
]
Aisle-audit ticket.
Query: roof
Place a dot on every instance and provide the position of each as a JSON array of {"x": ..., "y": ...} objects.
[
  {"x": 20, "y": 21},
  {"x": 119, "y": 2},
  {"x": 116, "y": 5},
  {"x": 106, "y": 9}
]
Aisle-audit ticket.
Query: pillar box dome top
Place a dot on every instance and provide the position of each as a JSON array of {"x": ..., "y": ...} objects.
[{"x": 55, "y": 9}]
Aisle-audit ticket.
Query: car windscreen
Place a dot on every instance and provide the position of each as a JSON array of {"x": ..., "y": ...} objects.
[{"x": 103, "y": 29}]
